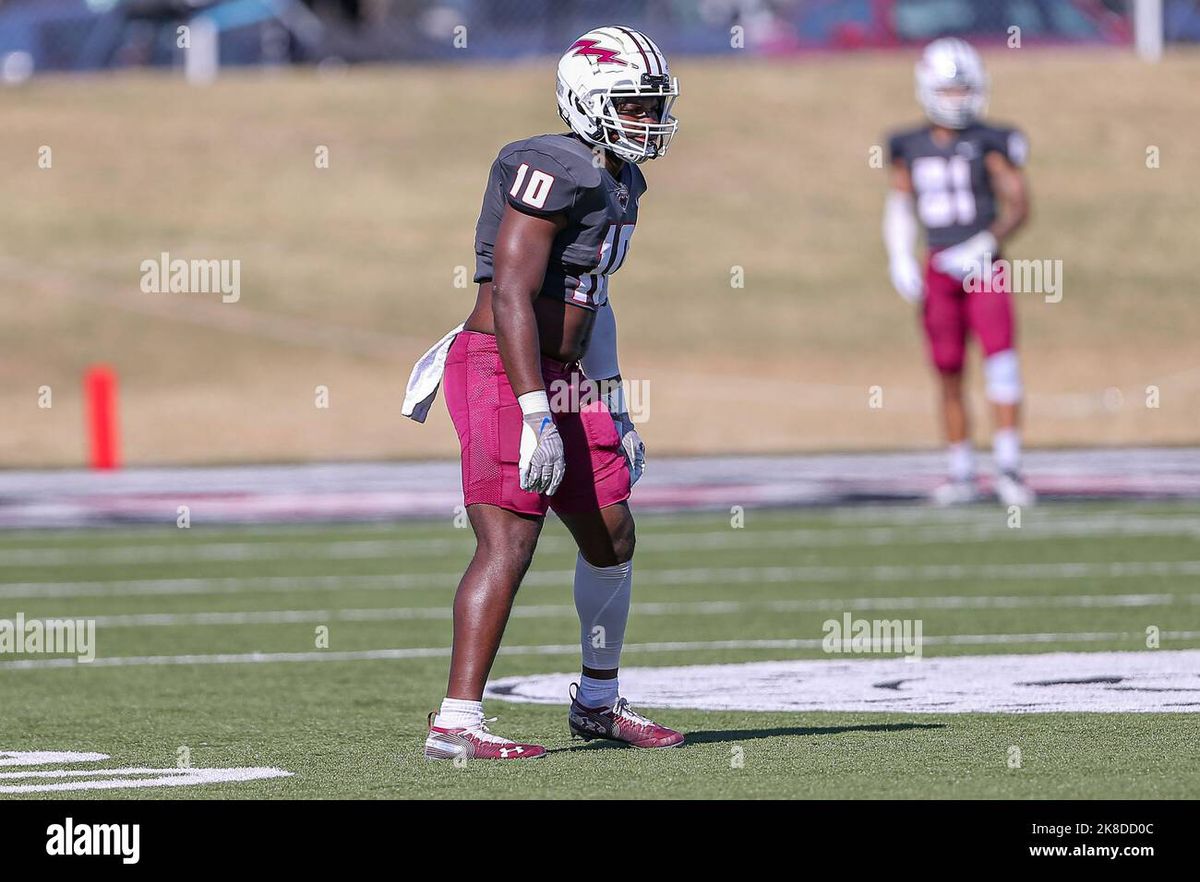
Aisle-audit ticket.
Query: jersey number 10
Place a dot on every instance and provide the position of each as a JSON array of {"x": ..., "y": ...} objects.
[{"x": 536, "y": 190}]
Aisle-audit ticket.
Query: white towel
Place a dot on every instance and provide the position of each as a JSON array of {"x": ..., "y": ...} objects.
[{"x": 426, "y": 377}]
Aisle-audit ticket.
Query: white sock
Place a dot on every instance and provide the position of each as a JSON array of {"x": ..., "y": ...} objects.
[
  {"x": 458, "y": 713},
  {"x": 597, "y": 693},
  {"x": 962, "y": 461},
  {"x": 1006, "y": 448}
]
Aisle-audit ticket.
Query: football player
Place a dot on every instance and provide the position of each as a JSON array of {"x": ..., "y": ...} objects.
[
  {"x": 558, "y": 214},
  {"x": 960, "y": 180}
]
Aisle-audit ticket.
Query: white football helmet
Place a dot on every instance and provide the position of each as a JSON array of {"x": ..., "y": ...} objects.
[
  {"x": 608, "y": 63},
  {"x": 952, "y": 64}
]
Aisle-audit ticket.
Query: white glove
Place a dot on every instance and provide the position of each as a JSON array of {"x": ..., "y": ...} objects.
[
  {"x": 966, "y": 257},
  {"x": 907, "y": 279},
  {"x": 542, "y": 463},
  {"x": 631, "y": 446}
]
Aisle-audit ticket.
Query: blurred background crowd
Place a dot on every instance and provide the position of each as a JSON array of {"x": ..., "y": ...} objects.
[{"x": 38, "y": 35}]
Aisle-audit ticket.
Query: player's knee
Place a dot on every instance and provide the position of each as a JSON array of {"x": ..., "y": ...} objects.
[
  {"x": 951, "y": 381},
  {"x": 1002, "y": 377},
  {"x": 624, "y": 544},
  {"x": 948, "y": 361},
  {"x": 615, "y": 549},
  {"x": 512, "y": 550},
  {"x": 518, "y": 553}
]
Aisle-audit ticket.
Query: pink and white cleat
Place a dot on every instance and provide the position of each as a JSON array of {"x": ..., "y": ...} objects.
[
  {"x": 475, "y": 742},
  {"x": 619, "y": 723}
]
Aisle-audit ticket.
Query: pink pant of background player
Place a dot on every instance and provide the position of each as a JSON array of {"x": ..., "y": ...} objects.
[{"x": 950, "y": 312}]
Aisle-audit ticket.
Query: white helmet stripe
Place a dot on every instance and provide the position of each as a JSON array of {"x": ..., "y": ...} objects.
[
  {"x": 653, "y": 51},
  {"x": 659, "y": 58},
  {"x": 645, "y": 58}
]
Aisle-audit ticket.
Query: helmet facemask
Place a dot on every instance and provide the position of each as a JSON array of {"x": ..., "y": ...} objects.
[
  {"x": 629, "y": 140},
  {"x": 955, "y": 106},
  {"x": 952, "y": 84}
]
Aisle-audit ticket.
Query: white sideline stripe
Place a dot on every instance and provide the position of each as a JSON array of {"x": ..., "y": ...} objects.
[
  {"x": 651, "y": 542},
  {"x": 716, "y": 607},
  {"x": 562, "y": 649},
  {"x": 558, "y": 578}
]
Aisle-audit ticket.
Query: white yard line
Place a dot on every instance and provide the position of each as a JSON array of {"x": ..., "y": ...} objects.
[
  {"x": 571, "y": 649},
  {"x": 651, "y": 542},
  {"x": 645, "y": 576},
  {"x": 707, "y": 608}
]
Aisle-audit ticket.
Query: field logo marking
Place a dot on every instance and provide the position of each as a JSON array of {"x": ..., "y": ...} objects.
[
  {"x": 47, "y": 757},
  {"x": 64, "y": 780},
  {"x": 1157, "y": 681}
]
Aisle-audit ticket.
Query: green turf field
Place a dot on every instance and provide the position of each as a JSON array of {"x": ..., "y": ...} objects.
[{"x": 353, "y": 728}]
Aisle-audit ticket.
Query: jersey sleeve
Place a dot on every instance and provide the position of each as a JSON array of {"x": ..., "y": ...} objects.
[
  {"x": 896, "y": 148},
  {"x": 1009, "y": 143},
  {"x": 536, "y": 183}
]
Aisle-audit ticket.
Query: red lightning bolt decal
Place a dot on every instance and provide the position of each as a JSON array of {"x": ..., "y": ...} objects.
[{"x": 590, "y": 48}]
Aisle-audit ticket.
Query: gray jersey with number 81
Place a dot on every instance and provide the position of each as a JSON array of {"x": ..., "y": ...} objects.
[{"x": 951, "y": 184}]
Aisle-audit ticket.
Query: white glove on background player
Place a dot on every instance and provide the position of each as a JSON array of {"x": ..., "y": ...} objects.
[
  {"x": 542, "y": 462},
  {"x": 961, "y": 259},
  {"x": 907, "y": 279},
  {"x": 900, "y": 237}
]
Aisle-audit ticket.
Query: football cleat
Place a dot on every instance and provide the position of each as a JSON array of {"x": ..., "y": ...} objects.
[
  {"x": 1011, "y": 490},
  {"x": 956, "y": 492},
  {"x": 619, "y": 723},
  {"x": 475, "y": 742}
]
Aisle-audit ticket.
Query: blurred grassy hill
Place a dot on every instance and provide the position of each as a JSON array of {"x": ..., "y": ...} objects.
[{"x": 348, "y": 272}]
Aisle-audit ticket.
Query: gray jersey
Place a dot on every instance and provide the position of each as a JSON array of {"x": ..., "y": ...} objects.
[
  {"x": 555, "y": 174},
  {"x": 951, "y": 184}
]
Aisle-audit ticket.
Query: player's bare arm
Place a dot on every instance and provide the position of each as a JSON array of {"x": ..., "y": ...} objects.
[
  {"x": 505, "y": 305},
  {"x": 521, "y": 257},
  {"x": 1012, "y": 193},
  {"x": 899, "y": 178}
]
